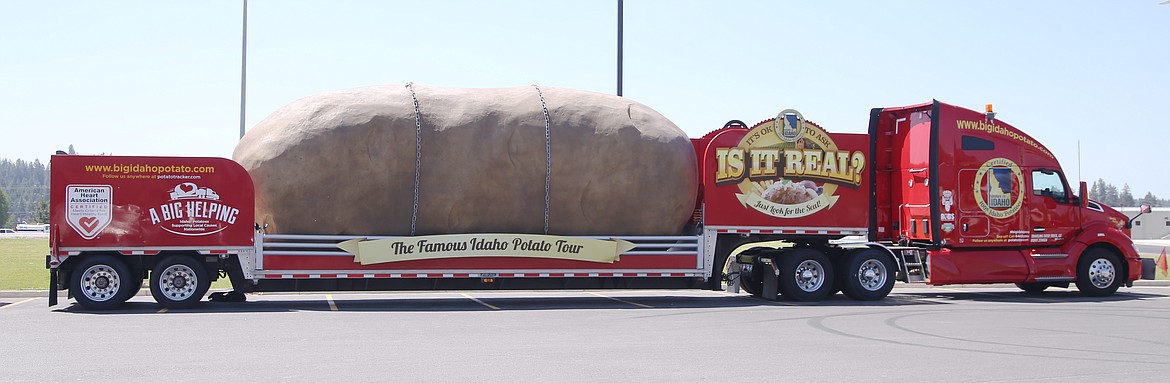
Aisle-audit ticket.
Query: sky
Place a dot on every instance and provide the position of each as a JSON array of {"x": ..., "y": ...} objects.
[{"x": 1089, "y": 79}]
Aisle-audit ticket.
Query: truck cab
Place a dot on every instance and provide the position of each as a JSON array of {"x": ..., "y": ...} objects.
[{"x": 989, "y": 204}]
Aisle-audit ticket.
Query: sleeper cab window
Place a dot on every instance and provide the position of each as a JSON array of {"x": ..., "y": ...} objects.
[{"x": 976, "y": 143}]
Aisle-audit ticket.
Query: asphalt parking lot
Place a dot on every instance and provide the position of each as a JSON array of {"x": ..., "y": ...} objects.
[{"x": 917, "y": 334}]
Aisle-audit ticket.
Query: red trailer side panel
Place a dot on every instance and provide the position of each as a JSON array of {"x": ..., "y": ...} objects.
[
  {"x": 786, "y": 173},
  {"x": 115, "y": 202}
]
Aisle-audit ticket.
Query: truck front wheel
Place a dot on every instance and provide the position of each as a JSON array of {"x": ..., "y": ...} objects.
[
  {"x": 805, "y": 275},
  {"x": 1099, "y": 273},
  {"x": 866, "y": 275},
  {"x": 179, "y": 281},
  {"x": 101, "y": 282}
]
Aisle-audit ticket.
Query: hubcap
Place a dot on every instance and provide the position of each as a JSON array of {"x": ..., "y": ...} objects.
[
  {"x": 178, "y": 282},
  {"x": 872, "y": 275},
  {"x": 1101, "y": 273},
  {"x": 99, "y": 283},
  {"x": 810, "y": 276}
]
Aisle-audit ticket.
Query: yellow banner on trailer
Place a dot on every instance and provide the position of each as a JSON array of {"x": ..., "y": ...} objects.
[{"x": 369, "y": 252}]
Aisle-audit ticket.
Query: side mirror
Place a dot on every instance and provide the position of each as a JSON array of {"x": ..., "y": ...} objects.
[{"x": 1143, "y": 210}]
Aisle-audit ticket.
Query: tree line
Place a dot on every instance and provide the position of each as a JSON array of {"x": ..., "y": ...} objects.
[
  {"x": 1110, "y": 195},
  {"x": 24, "y": 192}
]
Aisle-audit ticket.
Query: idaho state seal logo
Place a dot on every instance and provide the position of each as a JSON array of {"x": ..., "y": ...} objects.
[{"x": 997, "y": 188}]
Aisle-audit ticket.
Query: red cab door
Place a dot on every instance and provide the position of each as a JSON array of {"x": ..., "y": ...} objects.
[{"x": 1054, "y": 219}]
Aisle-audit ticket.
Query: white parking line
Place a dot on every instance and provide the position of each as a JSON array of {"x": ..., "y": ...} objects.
[
  {"x": 18, "y": 303},
  {"x": 465, "y": 295},
  {"x": 332, "y": 305},
  {"x": 621, "y": 300}
]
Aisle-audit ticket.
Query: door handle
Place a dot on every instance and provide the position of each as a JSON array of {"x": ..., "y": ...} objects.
[{"x": 1038, "y": 229}]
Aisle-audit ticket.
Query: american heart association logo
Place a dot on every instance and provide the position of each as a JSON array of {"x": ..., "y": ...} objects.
[
  {"x": 89, "y": 208},
  {"x": 89, "y": 223}
]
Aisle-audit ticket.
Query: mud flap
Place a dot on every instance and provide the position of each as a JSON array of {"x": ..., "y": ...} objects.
[
  {"x": 771, "y": 280},
  {"x": 1148, "y": 266},
  {"x": 53, "y": 287}
]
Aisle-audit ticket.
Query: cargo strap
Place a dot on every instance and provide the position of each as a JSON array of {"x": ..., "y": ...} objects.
[
  {"x": 547, "y": 154},
  {"x": 417, "y": 156}
]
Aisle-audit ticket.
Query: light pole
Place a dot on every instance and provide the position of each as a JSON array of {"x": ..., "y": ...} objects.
[
  {"x": 244, "y": 69},
  {"x": 619, "y": 50}
]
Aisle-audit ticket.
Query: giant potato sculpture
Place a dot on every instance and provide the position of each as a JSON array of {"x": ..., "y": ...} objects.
[{"x": 344, "y": 162}]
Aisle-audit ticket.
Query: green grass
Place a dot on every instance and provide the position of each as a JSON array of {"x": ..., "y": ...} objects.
[{"x": 22, "y": 265}]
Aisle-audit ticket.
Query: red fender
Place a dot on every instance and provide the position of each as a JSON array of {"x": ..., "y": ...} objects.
[{"x": 1102, "y": 234}]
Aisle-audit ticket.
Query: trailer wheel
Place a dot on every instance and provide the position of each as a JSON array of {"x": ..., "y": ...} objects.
[
  {"x": 101, "y": 282},
  {"x": 867, "y": 275},
  {"x": 1098, "y": 273},
  {"x": 805, "y": 275},
  {"x": 179, "y": 281},
  {"x": 1033, "y": 287}
]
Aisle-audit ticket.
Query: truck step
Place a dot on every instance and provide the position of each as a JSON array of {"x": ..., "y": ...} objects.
[{"x": 913, "y": 266}]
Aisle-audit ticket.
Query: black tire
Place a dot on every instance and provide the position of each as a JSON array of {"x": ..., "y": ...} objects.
[
  {"x": 179, "y": 281},
  {"x": 1033, "y": 287},
  {"x": 805, "y": 275},
  {"x": 101, "y": 282},
  {"x": 136, "y": 283},
  {"x": 744, "y": 278},
  {"x": 836, "y": 288},
  {"x": 752, "y": 282},
  {"x": 867, "y": 274},
  {"x": 750, "y": 285},
  {"x": 1099, "y": 273}
]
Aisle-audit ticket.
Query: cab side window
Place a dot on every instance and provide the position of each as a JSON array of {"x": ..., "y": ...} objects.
[{"x": 1049, "y": 183}]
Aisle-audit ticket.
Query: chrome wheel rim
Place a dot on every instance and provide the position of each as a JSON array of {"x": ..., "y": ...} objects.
[
  {"x": 1101, "y": 273},
  {"x": 99, "y": 283},
  {"x": 810, "y": 276},
  {"x": 872, "y": 275},
  {"x": 178, "y": 282}
]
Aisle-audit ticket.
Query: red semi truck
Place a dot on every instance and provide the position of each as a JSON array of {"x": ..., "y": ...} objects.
[{"x": 934, "y": 193}]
